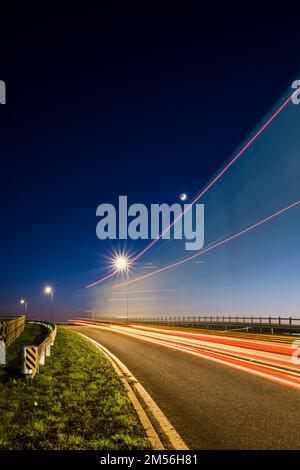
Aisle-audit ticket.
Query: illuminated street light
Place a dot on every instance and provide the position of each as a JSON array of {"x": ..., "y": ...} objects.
[
  {"x": 48, "y": 290},
  {"x": 24, "y": 302},
  {"x": 121, "y": 263}
]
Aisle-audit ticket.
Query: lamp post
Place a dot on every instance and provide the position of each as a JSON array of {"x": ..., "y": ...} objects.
[
  {"x": 49, "y": 291},
  {"x": 127, "y": 298},
  {"x": 121, "y": 263},
  {"x": 24, "y": 302}
]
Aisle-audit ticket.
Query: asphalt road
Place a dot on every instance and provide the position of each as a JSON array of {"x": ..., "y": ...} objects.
[{"x": 211, "y": 406}]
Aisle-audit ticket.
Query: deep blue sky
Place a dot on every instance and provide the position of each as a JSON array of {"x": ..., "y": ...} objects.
[{"x": 101, "y": 105}]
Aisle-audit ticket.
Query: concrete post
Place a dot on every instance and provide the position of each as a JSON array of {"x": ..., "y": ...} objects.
[
  {"x": 2, "y": 353},
  {"x": 42, "y": 359}
]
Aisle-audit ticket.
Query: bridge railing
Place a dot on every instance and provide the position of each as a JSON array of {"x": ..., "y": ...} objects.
[{"x": 255, "y": 322}]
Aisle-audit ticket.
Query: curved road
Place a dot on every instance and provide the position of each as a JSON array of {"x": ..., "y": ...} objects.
[{"x": 210, "y": 405}]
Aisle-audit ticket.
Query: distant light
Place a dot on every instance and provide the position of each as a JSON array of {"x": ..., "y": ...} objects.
[
  {"x": 48, "y": 290},
  {"x": 22, "y": 301},
  {"x": 121, "y": 263},
  {"x": 183, "y": 197}
]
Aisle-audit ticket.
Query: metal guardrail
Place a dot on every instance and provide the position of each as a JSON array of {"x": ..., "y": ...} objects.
[
  {"x": 261, "y": 323},
  {"x": 34, "y": 356},
  {"x": 10, "y": 329}
]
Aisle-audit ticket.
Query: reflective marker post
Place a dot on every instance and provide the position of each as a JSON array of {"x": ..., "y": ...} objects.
[{"x": 31, "y": 360}]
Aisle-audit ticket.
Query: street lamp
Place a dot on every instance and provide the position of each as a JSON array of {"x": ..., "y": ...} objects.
[
  {"x": 48, "y": 290},
  {"x": 24, "y": 302},
  {"x": 121, "y": 263}
]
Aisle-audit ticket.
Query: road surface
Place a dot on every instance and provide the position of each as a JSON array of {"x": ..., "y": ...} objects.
[{"x": 214, "y": 405}]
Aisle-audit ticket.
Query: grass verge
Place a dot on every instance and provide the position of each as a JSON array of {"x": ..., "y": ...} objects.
[{"x": 76, "y": 402}]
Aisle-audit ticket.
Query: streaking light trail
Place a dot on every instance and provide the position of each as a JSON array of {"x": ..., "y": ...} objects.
[
  {"x": 211, "y": 247},
  {"x": 204, "y": 191},
  {"x": 265, "y": 359},
  {"x": 219, "y": 175}
]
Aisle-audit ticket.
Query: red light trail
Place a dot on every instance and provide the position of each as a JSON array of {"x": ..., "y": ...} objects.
[
  {"x": 204, "y": 191},
  {"x": 211, "y": 247},
  {"x": 266, "y": 359}
]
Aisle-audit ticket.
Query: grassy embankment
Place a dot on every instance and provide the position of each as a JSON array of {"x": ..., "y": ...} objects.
[{"x": 76, "y": 402}]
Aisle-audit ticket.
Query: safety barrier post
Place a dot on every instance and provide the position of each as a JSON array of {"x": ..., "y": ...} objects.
[
  {"x": 42, "y": 358},
  {"x": 31, "y": 360},
  {"x": 2, "y": 353}
]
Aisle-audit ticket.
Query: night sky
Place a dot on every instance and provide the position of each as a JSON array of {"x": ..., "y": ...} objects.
[{"x": 144, "y": 105}]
